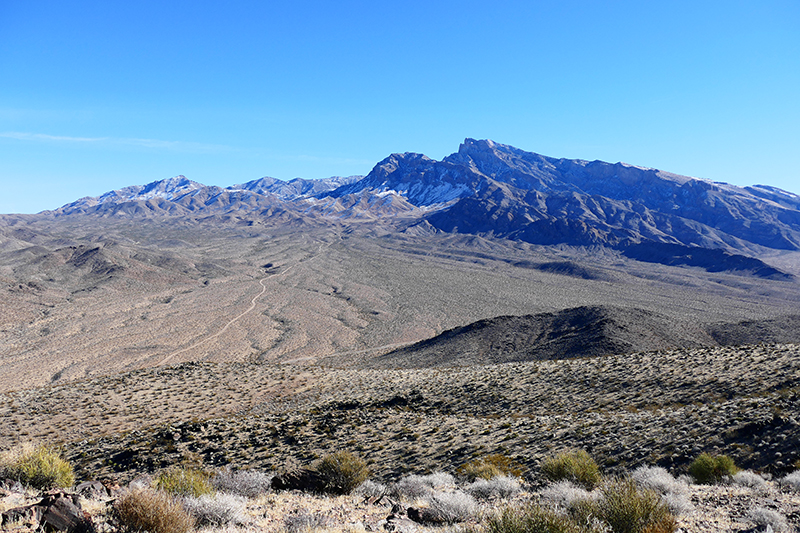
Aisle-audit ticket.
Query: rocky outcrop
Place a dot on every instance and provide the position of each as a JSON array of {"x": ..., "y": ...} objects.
[{"x": 58, "y": 511}]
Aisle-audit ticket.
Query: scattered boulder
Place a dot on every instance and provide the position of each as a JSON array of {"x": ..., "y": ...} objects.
[
  {"x": 397, "y": 522},
  {"x": 92, "y": 490},
  {"x": 426, "y": 516}
]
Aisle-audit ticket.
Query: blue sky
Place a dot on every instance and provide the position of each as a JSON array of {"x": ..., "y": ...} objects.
[{"x": 95, "y": 96}]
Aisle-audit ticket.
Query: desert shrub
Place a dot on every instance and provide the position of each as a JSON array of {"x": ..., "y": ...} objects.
[
  {"x": 184, "y": 482},
  {"x": 533, "y": 519},
  {"x": 711, "y": 469},
  {"x": 304, "y": 522},
  {"x": 152, "y": 512},
  {"x": 674, "y": 492},
  {"x": 452, "y": 507},
  {"x": 39, "y": 467},
  {"x": 414, "y": 486},
  {"x": 747, "y": 478},
  {"x": 490, "y": 467},
  {"x": 497, "y": 487},
  {"x": 765, "y": 518},
  {"x": 342, "y": 472},
  {"x": 247, "y": 483},
  {"x": 370, "y": 489},
  {"x": 565, "y": 494},
  {"x": 576, "y": 466},
  {"x": 627, "y": 508},
  {"x": 791, "y": 481},
  {"x": 216, "y": 510}
]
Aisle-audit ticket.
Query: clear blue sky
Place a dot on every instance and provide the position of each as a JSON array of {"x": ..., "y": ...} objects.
[{"x": 99, "y": 95}]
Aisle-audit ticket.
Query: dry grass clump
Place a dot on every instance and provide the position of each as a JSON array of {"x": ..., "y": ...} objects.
[
  {"x": 152, "y": 512},
  {"x": 39, "y": 467},
  {"x": 674, "y": 492},
  {"x": 342, "y": 472},
  {"x": 217, "y": 509},
  {"x": 748, "y": 478},
  {"x": 304, "y": 522},
  {"x": 414, "y": 486},
  {"x": 767, "y": 518},
  {"x": 371, "y": 489},
  {"x": 576, "y": 466},
  {"x": 497, "y": 487},
  {"x": 452, "y": 507},
  {"x": 709, "y": 469},
  {"x": 184, "y": 482},
  {"x": 247, "y": 483},
  {"x": 792, "y": 480},
  {"x": 489, "y": 467},
  {"x": 565, "y": 495}
]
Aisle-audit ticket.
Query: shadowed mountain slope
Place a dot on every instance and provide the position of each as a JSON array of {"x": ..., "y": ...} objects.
[{"x": 587, "y": 331}]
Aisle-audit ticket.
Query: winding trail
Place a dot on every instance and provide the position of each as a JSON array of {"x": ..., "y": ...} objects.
[{"x": 224, "y": 328}]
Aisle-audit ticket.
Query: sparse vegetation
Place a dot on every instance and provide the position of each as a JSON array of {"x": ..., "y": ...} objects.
[
  {"x": 576, "y": 466},
  {"x": 709, "y": 469},
  {"x": 39, "y": 467},
  {"x": 534, "y": 519},
  {"x": 152, "y": 512},
  {"x": 489, "y": 467},
  {"x": 497, "y": 487},
  {"x": 184, "y": 482},
  {"x": 342, "y": 472},
  {"x": 452, "y": 507},
  {"x": 216, "y": 509},
  {"x": 247, "y": 483},
  {"x": 628, "y": 508},
  {"x": 764, "y": 517}
]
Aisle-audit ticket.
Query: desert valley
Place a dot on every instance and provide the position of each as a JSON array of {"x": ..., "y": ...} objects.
[{"x": 495, "y": 303}]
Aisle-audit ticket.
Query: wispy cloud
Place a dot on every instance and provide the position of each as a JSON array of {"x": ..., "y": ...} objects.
[
  {"x": 43, "y": 137},
  {"x": 157, "y": 144}
]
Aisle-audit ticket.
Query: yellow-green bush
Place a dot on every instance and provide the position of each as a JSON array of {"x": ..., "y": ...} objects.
[
  {"x": 576, "y": 466},
  {"x": 710, "y": 469},
  {"x": 627, "y": 508},
  {"x": 490, "y": 467},
  {"x": 342, "y": 472},
  {"x": 152, "y": 512},
  {"x": 38, "y": 467},
  {"x": 533, "y": 519},
  {"x": 184, "y": 482}
]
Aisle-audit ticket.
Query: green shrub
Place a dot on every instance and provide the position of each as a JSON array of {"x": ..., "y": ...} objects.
[
  {"x": 184, "y": 482},
  {"x": 627, "y": 508},
  {"x": 533, "y": 519},
  {"x": 711, "y": 469},
  {"x": 152, "y": 512},
  {"x": 489, "y": 467},
  {"x": 575, "y": 466},
  {"x": 342, "y": 472},
  {"x": 40, "y": 468}
]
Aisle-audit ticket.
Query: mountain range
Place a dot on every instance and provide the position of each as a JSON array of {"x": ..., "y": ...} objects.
[{"x": 491, "y": 189}]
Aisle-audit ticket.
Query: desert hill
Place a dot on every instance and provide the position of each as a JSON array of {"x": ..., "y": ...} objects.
[{"x": 588, "y": 331}]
